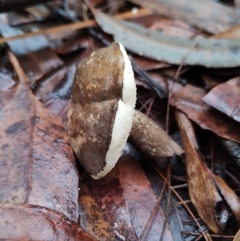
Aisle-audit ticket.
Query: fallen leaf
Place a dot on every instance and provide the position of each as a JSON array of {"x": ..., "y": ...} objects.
[
  {"x": 232, "y": 33},
  {"x": 156, "y": 45},
  {"x": 46, "y": 85},
  {"x": 141, "y": 200},
  {"x": 175, "y": 28},
  {"x": 203, "y": 185},
  {"x": 125, "y": 195},
  {"x": 34, "y": 54},
  {"x": 226, "y": 98},
  {"x": 37, "y": 163},
  {"x": 204, "y": 14},
  {"x": 108, "y": 193},
  {"x": 147, "y": 64},
  {"x": 189, "y": 100},
  {"x": 92, "y": 218},
  {"x": 237, "y": 237},
  {"x": 36, "y": 223}
]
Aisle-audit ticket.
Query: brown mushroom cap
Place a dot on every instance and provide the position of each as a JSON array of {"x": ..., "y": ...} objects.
[{"x": 101, "y": 109}]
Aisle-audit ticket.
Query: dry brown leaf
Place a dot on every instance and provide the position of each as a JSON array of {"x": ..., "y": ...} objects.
[
  {"x": 189, "y": 100},
  {"x": 37, "y": 164},
  {"x": 125, "y": 195},
  {"x": 108, "y": 193},
  {"x": 141, "y": 200},
  {"x": 92, "y": 218},
  {"x": 35, "y": 223},
  {"x": 237, "y": 237},
  {"x": 232, "y": 33},
  {"x": 203, "y": 185},
  {"x": 226, "y": 98},
  {"x": 34, "y": 54},
  {"x": 46, "y": 85},
  {"x": 203, "y": 14}
]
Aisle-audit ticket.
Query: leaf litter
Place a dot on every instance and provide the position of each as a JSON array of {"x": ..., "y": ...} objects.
[{"x": 123, "y": 226}]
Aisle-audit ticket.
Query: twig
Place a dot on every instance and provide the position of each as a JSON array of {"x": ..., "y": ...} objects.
[
  {"x": 21, "y": 75},
  {"x": 179, "y": 197},
  {"x": 74, "y": 26},
  {"x": 168, "y": 201}
]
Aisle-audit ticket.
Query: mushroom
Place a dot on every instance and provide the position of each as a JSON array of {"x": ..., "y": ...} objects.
[{"x": 101, "y": 110}]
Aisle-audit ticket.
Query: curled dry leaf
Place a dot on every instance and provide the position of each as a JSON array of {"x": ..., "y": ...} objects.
[
  {"x": 151, "y": 139},
  {"x": 156, "y": 45},
  {"x": 203, "y": 185},
  {"x": 92, "y": 218},
  {"x": 30, "y": 222},
  {"x": 189, "y": 100},
  {"x": 205, "y": 15},
  {"x": 226, "y": 98}
]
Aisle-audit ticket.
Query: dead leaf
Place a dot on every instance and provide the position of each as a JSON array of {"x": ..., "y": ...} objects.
[
  {"x": 189, "y": 100},
  {"x": 92, "y": 218},
  {"x": 156, "y": 45},
  {"x": 30, "y": 222},
  {"x": 37, "y": 164},
  {"x": 45, "y": 86},
  {"x": 237, "y": 237},
  {"x": 232, "y": 33},
  {"x": 201, "y": 182},
  {"x": 108, "y": 193},
  {"x": 141, "y": 200},
  {"x": 226, "y": 98},
  {"x": 125, "y": 195},
  {"x": 34, "y": 54},
  {"x": 203, "y": 14},
  {"x": 147, "y": 64},
  {"x": 175, "y": 28}
]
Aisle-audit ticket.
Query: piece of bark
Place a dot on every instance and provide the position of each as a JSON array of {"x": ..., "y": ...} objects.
[
  {"x": 92, "y": 218},
  {"x": 36, "y": 162},
  {"x": 189, "y": 100},
  {"x": 150, "y": 139},
  {"x": 226, "y": 98},
  {"x": 204, "y": 187},
  {"x": 35, "y": 223},
  {"x": 203, "y": 14}
]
